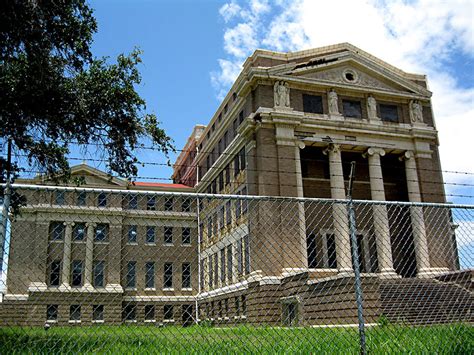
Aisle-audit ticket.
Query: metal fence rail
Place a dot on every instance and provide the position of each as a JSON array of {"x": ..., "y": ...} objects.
[{"x": 117, "y": 270}]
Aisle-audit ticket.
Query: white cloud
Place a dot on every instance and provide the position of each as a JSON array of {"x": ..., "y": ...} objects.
[
  {"x": 229, "y": 11},
  {"x": 421, "y": 36}
]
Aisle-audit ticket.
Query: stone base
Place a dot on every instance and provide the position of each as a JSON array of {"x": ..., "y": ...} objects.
[{"x": 431, "y": 272}]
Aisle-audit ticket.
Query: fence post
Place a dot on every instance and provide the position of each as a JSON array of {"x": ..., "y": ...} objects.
[{"x": 356, "y": 262}]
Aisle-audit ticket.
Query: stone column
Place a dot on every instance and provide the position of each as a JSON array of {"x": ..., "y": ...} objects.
[
  {"x": 88, "y": 276},
  {"x": 380, "y": 215},
  {"x": 66, "y": 272},
  {"x": 339, "y": 210},
  {"x": 417, "y": 218}
]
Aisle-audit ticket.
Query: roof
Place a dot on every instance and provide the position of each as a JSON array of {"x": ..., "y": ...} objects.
[{"x": 159, "y": 184}]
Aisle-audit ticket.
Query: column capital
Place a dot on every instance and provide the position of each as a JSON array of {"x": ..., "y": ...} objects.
[
  {"x": 409, "y": 154},
  {"x": 373, "y": 151},
  {"x": 91, "y": 224},
  {"x": 68, "y": 223},
  {"x": 333, "y": 148}
]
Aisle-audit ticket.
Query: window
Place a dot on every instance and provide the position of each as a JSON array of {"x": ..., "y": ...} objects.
[
  {"x": 331, "y": 250},
  {"x": 311, "y": 251},
  {"x": 221, "y": 181},
  {"x": 132, "y": 202},
  {"x": 57, "y": 230},
  {"x": 131, "y": 279},
  {"x": 236, "y": 166},
  {"x": 102, "y": 200},
  {"x": 221, "y": 217},
  {"x": 76, "y": 277},
  {"x": 81, "y": 198},
  {"x": 79, "y": 232},
  {"x": 223, "y": 269},
  {"x": 186, "y": 205},
  {"x": 229, "y": 263},
  {"x": 389, "y": 113},
  {"x": 101, "y": 232},
  {"x": 168, "y": 235},
  {"x": 150, "y": 275},
  {"x": 52, "y": 312},
  {"x": 99, "y": 267},
  {"x": 209, "y": 227},
  {"x": 243, "y": 300},
  {"x": 211, "y": 272},
  {"x": 202, "y": 274},
  {"x": 55, "y": 273},
  {"x": 241, "y": 117},
  {"x": 150, "y": 235},
  {"x": 352, "y": 108},
  {"x": 168, "y": 203},
  {"x": 168, "y": 276},
  {"x": 168, "y": 312},
  {"x": 98, "y": 312},
  {"x": 239, "y": 257},
  {"x": 75, "y": 312},
  {"x": 149, "y": 312},
  {"x": 216, "y": 269},
  {"x": 186, "y": 235},
  {"x": 129, "y": 312},
  {"x": 237, "y": 306},
  {"x": 247, "y": 254},
  {"x": 227, "y": 174},
  {"x": 312, "y": 104},
  {"x": 186, "y": 276},
  {"x": 244, "y": 200},
  {"x": 238, "y": 207},
  {"x": 132, "y": 234},
  {"x": 242, "y": 159},
  {"x": 151, "y": 203},
  {"x": 228, "y": 212},
  {"x": 234, "y": 96},
  {"x": 59, "y": 197}
]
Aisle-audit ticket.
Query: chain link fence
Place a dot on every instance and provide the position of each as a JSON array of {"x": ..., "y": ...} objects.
[{"x": 94, "y": 270}]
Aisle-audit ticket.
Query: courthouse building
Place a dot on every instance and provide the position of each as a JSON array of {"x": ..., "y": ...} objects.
[{"x": 290, "y": 126}]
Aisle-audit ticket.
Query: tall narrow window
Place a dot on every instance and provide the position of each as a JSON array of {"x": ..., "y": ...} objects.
[
  {"x": 52, "y": 312},
  {"x": 186, "y": 276},
  {"x": 221, "y": 217},
  {"x": 236, "y": 166},
  {"x": 168, "y": 203},
  {"x": 102, "y": 199},
  {"x": 227, "y": 174},
  {"x": 202, "y": 274},
  {"x": 101, "y": 232},
  {"x": 186, "y": 205},
  {"x": 99, "y": 275},
  {"x": 211, "y": 272},
  {"x": 57, "y": 230},
  {"x": 216, "y": 269},
  {"x": 223, "y": 268},
  {"x": 331, "y": 242},
  {"x": 151, "y": 203},
  {"x": 149, "y": 313},
  {"x": 132, "y": 234},
  {"x": 221, "y": 181},
  {"x": 186, "y": 235},
  {"x": 168, "y": 235},
  {"x": 81, "y": 198},
  {"x": 247, "y": 254},
  {"x": 168, "y": 275},
  {"x": 228, "y": 212},
  {"x": 79, "y": 232},
  {"x": 129, "y": 312},
  {"x": 150, "y": 275},
  {"x": 243, "y": 299},
  {"x": 238, "y": 207},
  {"x": 168, "y": 312},
  {"x": 55, "y": 273},
  {"x": 76, "y": 276},
  {"x": 311, "y": 251},
  {"x": 132, "y": 202},
  {"x": 150, "y": 235},
  {"x": 242, "y": 161},
  {"x": 229, "y": 263},
  {"x": 60, "y": 198},
  {"x": 237, "y": 306},
  {"x": 239, "y": 257},
  {"x": 75, "y": 312},
  {"x": 98, "y": 313},
  {"x": 131, "y": 279},
  {"x": 241, "y": 117}
]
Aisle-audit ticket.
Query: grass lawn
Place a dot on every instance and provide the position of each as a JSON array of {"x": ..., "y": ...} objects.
[{"x": 452, "y": 339}]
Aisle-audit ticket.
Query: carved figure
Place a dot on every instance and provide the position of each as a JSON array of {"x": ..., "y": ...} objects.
[
  {"x": 416, "y": 111},
  {"x": 333, "y": 106},
  {"x": 371, "y": 108},
  {"x": 282, "y": 94}
]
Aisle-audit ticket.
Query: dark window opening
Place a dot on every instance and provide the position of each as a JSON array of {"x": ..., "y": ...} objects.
[
  {"x": 150, "y": 275},
  {"x": 75, "y": 312},
  {"x": 352, "y": 108},
  {"x": 55, "y": 273},
  {"x": 102, "y": 200},
  {"x": 81, "y": 198},
  {"x": 389, "y": 113},
  {"x": 76, "y": 277},
  {"x": 98, "y": 312},
  {"x": 131, "y": 279},
  {"x": 52, "y": 312},
  {"x": 129, "y": 312},
  {"x": 150, "y": 235},
  {"x": 186, "y": 235},
  {"x": 168, "y": 276},
  {"x": 312, "y": 103},
  {"x": 79, "y": 232},
  {"x": 168, "y": 312},
  {"x": 99, "y": 267},
  {"x": 311, "y": 250},
  {"x": 149, "y": 312},
  {"x": 101, "y": 232},
  {"x": 151, "y": 203},
  {"x": 168, "y": 235},
  {"x": 186, "y": 275}
]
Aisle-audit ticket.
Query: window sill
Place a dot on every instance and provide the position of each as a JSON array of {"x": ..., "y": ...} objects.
[
  {"x": 74, "y": 321},
  {"x": 168, "y": 289},
  {"x": 132, "y": 243},
  {"x": 56, "y": 241},
  {"x": 98, "y": 321},
  {"x": 187, "y": 289},
  {"x": 98, "y": 242},
  {"x": 168, "y": 244},
  {"x": 82, "y": 241},
  {"x": 150, "y": 289},
  {"x": 130, "y": 288},
  {"x": 186, "y": 245},
  {"x": 150, "y": 321},
  {"x": 151, "y": 244},
  {"x": 130, "y": 320},
  {"x": 168, "y": 320},
  {"x": 54, "y": 321}
]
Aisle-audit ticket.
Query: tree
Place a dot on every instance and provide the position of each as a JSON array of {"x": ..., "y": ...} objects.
[{"x": 54, "y": 93}]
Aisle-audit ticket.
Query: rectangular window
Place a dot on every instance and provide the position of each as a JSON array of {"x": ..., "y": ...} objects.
[
  {"x": 211, "y": 272},
  {"x": 98, "y": 312},
  {"x": 202, "y": 274},
  {"x": 76, "y": 275},
  {"x": 237, "y": 306},
  {"x": 186, "y": 235},
  {"x": 132, "y": 234},
  {"x": 99, "y": 274},
  {"x": 239, "y": 257},
  {"x": 150, "y": 235},
  {"x": 227, "y": 174},
  {"x": 236, "y": 166},
  {"x": 59, "y": 197},
  {"x": 131, "y": 278},
  {"x": 186, "y": 205},
  {"x": 186, "y": 276},
  {"x": 238, "y": 207},
  {"x": 168, "y": 312},
  {"x": 221, "y": 181},
  {"x": 168, "y": 235},
  {"x": 389, "y": 113},
  {"x": 102, "y": 200},
  {"x": 331, "y": 243},
  {"x": 312, "y": 103},
  {"x": 55, "y": 273},
  {"x": 243, "y": 300},
  {"x": 101, "y": 232},
  {"x": 168, "y": 203},
  {"x": 57, "y": 230},
  {"x": 247, "y": 254},
  {"x": 132, "y": 202},
  {"x": 229, "y": 263},
  {"x": 242, "y": 160},
  {"x": 352, "y": 108},
  {"x": 311, "y": 251},
  {"x": 241, "y": 117},
  {"x": 228, "y": 212},
  {"x": 151, "y": 203},
  {"x": 129, "y": 312},
  {"x": 75, "y": 312},
  {"x": 223, "y": 268},
  {"x": 226, "y": 307},
  {"x": 168, "y": 276},
  {"x": 216, "y": 269},
  {"x": 149, "y": 312},
  {"x": 209, "y": 227},
  {"x": 52, "y": 312},
  {"x": 150, "y": 275},
  {"x": 221, "y": 217},
  {"x": 81, "y": 198},
  {"x": 78, "y": 233}
]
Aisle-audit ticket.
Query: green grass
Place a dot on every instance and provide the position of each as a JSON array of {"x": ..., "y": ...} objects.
[{"x": 452, "y": 339}]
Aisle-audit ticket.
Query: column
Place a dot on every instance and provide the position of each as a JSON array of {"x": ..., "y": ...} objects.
[
  {"x": 301, "y": 205},
  {"x": 66, "y": 272},
  {"x": 417, "y": 218},
  {"x": 89, "y": 255},
  {"x": 339, "y": 210},
  {"x": 380, "y": 215}
]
